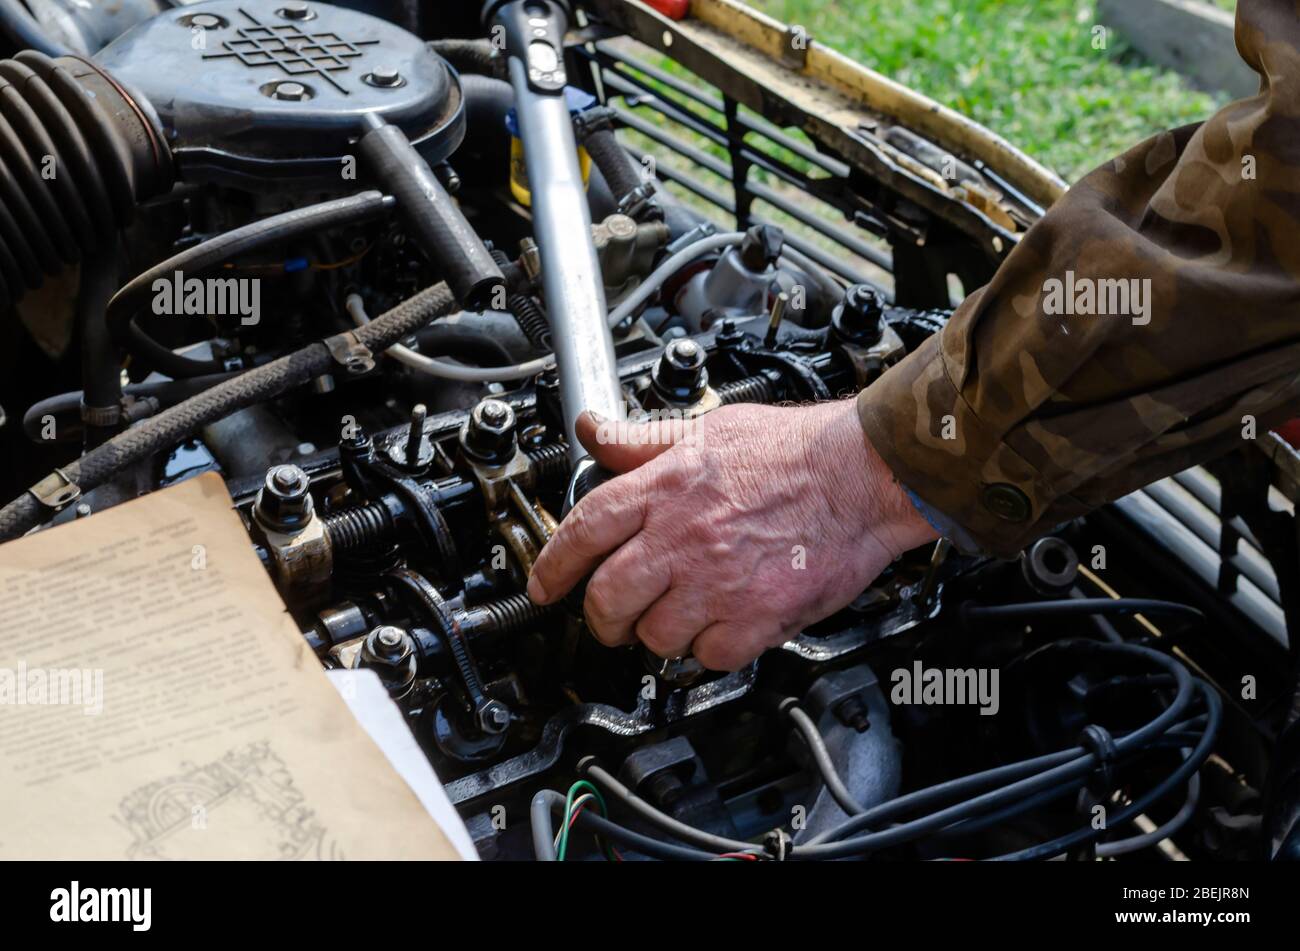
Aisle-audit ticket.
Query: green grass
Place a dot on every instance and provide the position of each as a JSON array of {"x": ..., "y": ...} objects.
[{"x": 1027, "y": 69}]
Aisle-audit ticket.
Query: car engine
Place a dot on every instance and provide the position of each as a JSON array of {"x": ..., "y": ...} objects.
[{"x": 369, "y": 260}]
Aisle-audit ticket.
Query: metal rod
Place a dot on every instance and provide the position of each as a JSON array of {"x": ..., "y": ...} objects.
[{"x": 571, "y": 278}]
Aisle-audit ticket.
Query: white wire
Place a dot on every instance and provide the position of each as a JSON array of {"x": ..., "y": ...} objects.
[
  {"x": 446, "y": 369},
  {"x": 669, "y": 267}
]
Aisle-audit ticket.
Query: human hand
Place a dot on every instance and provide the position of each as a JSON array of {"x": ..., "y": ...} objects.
[{"x": 727, "y": 534}]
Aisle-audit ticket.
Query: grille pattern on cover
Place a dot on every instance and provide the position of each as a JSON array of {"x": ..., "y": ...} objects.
[{"x": 289, "y": 47}]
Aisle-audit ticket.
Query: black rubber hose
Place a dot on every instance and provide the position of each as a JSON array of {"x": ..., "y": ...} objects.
[
  {"x": 470, "y": 57},
  {"x": 595, "y": 132},
  {"x": 487, "y": 102},
  {"x": 21, "y": 28},
  {"x": 164, "y": 392},
  {"x": 437, "y": 222},
  {"x": 254, "y": 386},
  {"x": 101, "y": 377},
  {"x": 202, "y": 258}
]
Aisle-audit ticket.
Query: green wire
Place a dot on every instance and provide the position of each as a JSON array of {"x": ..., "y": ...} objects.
[{"x": 585, "y": 786}]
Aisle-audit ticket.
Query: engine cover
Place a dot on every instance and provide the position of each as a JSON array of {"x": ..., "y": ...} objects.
[{"x": 269, "y": 92}]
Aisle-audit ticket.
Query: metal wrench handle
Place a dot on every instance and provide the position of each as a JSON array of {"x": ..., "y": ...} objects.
[{"x": 571, "y": 278}]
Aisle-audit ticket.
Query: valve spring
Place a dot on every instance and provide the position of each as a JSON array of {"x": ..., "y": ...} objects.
[
  {"x": 752, "y": 389},
  {"x": 550, "y": 463},
  {"x": 526, "y": 312},
  {"x": 357, "y": 528},
  {"x": 514, "y": 613}
]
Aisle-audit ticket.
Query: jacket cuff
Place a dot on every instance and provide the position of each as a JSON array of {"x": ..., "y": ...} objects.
[{"x": 975, "y": 488}]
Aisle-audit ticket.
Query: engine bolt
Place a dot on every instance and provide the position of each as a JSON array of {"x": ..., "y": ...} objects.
[
  {"x": 489, "y": 433},
  {"x": 415, "y": 435},
  {"x": 858, "y": 317},
  {"x": 284, "y": 502},
  {"x": 389, "y": 636},
  {"x": 493, "y": 717},
  {"x": 296, "y": 10},
  {"x": 679, "y": 377},
  {"x": 384, "y": 76},
  {"x": 291, "y": 92},
  {"x": 494, "y": 412},
  {"x": 390, "y": 653}
]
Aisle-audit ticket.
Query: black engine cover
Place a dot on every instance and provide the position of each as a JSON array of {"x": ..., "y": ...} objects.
[{"x": 253, "y": 93}]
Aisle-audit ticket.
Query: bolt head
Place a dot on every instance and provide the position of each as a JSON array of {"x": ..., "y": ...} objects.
[
  {"x": 679, "y": 376},
  {"x": 205, "y": 21},
  {"x": 686, "y": 354},
  {"x": 389, "y": 636},
  {"x": 287, "y": 481},
  {"x": 494, "y": 415},
  {"x": 494, "y": 717},
  {"x": 489, "y": 433},
  {"x": 858, "y": 317},
  {"x": 290, "y": 92},
  {"x": 296, "y": 10},
  {"x": 284, "y": 503},
  {"x": 385, "y": 76}
]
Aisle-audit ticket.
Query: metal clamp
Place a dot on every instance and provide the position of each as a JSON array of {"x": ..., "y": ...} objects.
[
  {"x": 350, "y": 353},
  {"x": 56, "y": 490}
]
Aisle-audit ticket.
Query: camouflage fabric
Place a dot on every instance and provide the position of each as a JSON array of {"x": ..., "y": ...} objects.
[{"x": 1055, "y": 387}]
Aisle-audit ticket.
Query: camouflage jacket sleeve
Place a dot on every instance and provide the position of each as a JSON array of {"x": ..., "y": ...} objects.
[{"x": 1031, "y": 407}]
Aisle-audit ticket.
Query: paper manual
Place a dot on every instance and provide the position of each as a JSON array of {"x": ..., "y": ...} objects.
[{"x": 157, "y": 701}]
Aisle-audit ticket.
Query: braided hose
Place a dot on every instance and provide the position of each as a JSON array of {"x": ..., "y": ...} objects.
[{"x": 188, "y": 417}]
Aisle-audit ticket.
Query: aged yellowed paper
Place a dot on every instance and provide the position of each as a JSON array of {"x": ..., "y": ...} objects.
[{"x": 157, "y": 701}]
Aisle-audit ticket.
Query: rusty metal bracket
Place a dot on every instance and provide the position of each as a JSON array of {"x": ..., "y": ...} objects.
[
  {"x": 349, "y": 352},
  {"x": 56, "y": 491}
]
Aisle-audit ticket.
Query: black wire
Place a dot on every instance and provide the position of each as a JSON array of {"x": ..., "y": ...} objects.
[
  {"x": 202, "y": 258},
  {"x": 1091, "y": 606},
  {"x": 1181, "y": 775},
  {"x": 1073, "y": 765},
  {"x": 1076, "y": 757}
]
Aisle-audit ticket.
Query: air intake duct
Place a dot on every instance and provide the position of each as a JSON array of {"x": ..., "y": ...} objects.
[{"x": 77, "y": 154}]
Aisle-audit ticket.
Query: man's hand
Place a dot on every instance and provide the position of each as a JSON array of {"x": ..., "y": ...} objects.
[{"x": 727, "y": 534}]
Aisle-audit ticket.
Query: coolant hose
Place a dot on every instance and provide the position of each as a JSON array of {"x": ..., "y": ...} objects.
[
  {"x": 254, "y": 386},
  {"x": 101, "y": 377},
  {"x": 434, "y": 218},
  {"x": 594, "y": 130}
]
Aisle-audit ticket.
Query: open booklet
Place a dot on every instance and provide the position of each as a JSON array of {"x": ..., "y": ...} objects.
[{"x": 158, "y": 701}]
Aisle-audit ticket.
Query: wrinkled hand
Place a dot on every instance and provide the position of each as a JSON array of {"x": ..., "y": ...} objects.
[{"x": 726, "y": 535}]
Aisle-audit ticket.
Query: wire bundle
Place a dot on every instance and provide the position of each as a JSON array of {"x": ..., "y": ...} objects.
[{"x": 958, "y": 806}]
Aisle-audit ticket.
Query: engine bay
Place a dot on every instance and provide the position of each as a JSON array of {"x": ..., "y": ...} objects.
[{"x": 334, "y": 254}]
